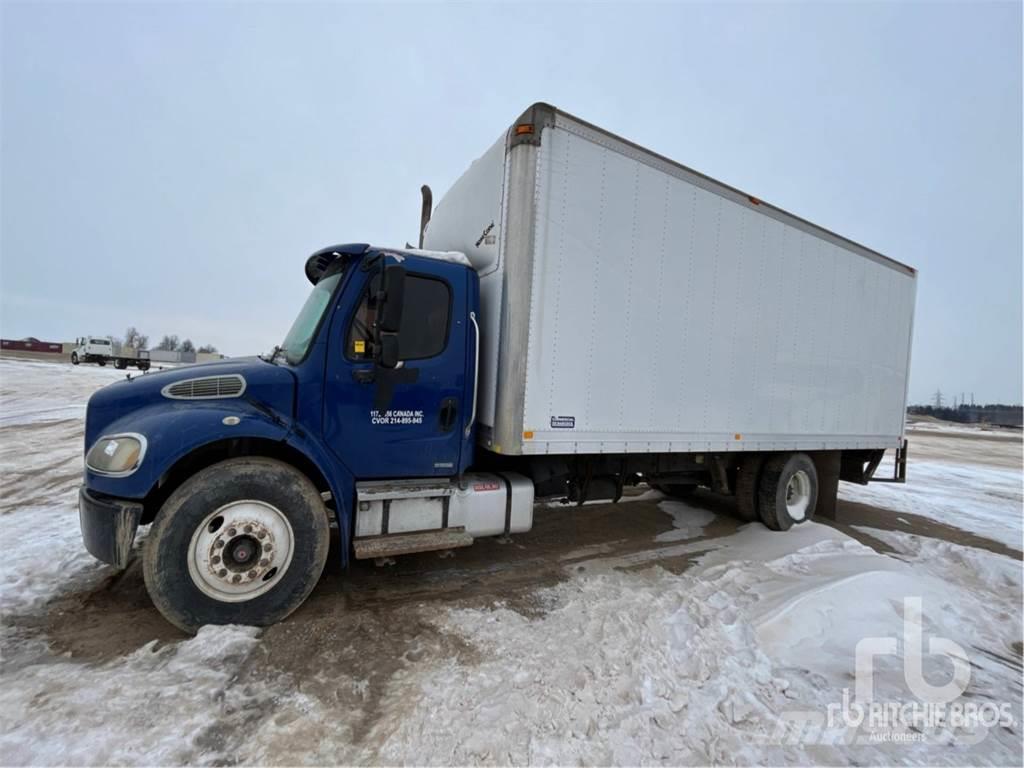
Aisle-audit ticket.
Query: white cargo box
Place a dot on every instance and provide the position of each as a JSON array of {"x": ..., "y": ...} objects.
[{"x": 630, "y": 304}]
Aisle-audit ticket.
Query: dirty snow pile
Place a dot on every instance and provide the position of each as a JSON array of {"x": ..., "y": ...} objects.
[{"x": 645, "y": 666}]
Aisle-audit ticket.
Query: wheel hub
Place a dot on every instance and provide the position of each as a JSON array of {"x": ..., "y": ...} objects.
[
  {"x": 240, "y": 551},
  {"x": 798, "y": 495}
]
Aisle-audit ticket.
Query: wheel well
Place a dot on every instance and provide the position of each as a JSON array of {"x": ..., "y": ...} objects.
[{"x": 212, "y": 453}]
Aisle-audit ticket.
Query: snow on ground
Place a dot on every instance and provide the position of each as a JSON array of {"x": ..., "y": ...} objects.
[
  {"x": 694, "y": 648},
  {"x": 982, "y": 499},
  {"x": 647, "y": 666}
]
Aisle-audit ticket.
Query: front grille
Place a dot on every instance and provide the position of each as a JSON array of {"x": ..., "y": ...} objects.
[{"x": 205, "y": 388}]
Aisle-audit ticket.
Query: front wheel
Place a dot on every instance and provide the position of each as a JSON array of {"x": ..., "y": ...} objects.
[
  {"x": 74, "y": 358},
  {"x": 242, "y": 542},
  {"x": 102, "y": 363}
]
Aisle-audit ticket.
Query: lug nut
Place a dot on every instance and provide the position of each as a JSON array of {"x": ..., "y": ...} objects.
[
  {"x": 251, "y": 574},
  {"x": 236, "y": 578},
  {"x": 222, "y": 572},
  {"x": 218, "y": 544},
  {"x": 232, "y": 531},
  {"x": 248, "y": 529},
  {"x": 265, "y": 562},
  {"x": 215, "y": 560},
  {"x": 261, "y": 535}
]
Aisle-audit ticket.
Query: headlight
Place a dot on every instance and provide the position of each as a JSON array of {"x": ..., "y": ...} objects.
[{"x": 116, "y": 455}]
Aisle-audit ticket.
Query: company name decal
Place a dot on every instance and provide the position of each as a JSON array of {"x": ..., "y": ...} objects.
[{"x": 396, "y": 417}]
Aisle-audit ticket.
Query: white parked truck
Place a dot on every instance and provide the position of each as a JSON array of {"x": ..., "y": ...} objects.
[
  {"x": 100, "y": 350},
  {"x": 581, "y": 315}
]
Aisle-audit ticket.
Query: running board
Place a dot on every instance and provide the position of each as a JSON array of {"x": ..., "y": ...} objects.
[{"x": 408, "y": 543}]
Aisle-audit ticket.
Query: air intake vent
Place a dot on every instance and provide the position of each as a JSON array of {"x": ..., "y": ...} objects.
[{"x": 206, "y": 388}]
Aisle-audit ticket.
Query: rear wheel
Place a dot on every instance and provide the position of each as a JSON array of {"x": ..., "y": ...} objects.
[
  {"x": 120, "y": 364},
  {"x": 787, "y": 490},
  {"x": 241, "y": 542},
  {"x": 747, "y": 487},
  {"x": 102, "y": 362}
]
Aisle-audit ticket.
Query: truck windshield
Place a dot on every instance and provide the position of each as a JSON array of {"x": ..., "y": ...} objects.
[{"x": 301, "y": 334}]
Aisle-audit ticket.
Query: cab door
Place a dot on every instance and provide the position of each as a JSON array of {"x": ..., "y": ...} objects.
[{"x": 406, "y": 421}]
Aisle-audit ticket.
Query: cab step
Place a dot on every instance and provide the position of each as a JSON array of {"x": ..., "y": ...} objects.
[{"x": 368, "y": 547}]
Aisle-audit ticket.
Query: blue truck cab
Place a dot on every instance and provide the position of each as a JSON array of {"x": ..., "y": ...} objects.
[{"x": 242, "y": 465}]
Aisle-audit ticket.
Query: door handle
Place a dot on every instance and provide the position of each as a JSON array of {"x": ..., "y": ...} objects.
[
  {"x": 363, "y": 375},
  {"x": 449, "y": 410}
]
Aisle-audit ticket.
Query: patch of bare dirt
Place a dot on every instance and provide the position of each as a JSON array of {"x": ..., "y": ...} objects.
[{"x": 852, "y": 513}]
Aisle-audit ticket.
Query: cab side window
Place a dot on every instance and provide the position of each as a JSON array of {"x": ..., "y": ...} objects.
[{"x": 426, "y": 317}]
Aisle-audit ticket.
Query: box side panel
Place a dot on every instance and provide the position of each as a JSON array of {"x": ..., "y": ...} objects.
[
  {"x": 469, "y": 219},
  {"x": 666, "y": 316}
]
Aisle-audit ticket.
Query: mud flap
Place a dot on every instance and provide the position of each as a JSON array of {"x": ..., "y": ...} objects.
[{"x": 108, "y": 527}]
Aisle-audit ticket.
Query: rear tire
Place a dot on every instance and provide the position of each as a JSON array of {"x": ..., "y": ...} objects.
[
  {"x": 242, "y": 542},
  {"x": 120, "y": 365},
  {"x": 102, "y": 363},
  {"x": 747, "y": 487},
  {"x": 787, "y": 491}
]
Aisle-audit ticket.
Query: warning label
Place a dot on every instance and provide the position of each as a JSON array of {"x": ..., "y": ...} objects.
[
  {"x": 563, "y": 422},
  {"x": 396, "y": 417}
]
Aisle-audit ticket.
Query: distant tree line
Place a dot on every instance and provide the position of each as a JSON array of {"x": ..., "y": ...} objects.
[
  {"x": 169, "y": 343},
  {"x": 992, "y": 413}
]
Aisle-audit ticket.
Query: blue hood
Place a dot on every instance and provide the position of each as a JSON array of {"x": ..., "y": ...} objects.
[{"x": 267, "y": 384}]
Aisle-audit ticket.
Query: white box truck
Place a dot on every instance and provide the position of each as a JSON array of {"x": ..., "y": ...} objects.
[{"x": 582, "y": 315}]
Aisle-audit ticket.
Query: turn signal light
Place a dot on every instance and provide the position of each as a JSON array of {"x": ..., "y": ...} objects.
[{"x": 524, "y": 128}]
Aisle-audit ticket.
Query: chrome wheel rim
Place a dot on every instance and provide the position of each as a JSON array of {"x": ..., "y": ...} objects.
[
  {"x": 240, "y": 551},
  {"x": 798, "y": 495}
]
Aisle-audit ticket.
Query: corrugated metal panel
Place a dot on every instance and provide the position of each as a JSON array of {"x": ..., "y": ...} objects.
[{"x": 664, "y": 312}]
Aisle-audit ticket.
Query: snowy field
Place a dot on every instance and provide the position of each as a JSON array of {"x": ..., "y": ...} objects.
[{"x": 651, "y": 632}]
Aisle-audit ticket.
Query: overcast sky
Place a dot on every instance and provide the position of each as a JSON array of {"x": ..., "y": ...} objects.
[{"x": 171, "y": 166}]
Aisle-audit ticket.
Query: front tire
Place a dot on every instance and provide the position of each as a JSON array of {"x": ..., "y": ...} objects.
[
  {"x": 787, "y": 491},
  {"x": 242, "y": 542},
  {"x": 102, "y": 363},
  {"x": 74, "y": 358}
]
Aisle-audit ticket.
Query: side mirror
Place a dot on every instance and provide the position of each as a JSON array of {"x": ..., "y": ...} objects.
[
  {"x": 389, "y": 356},
  {"x": 390, "y": 318}
]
